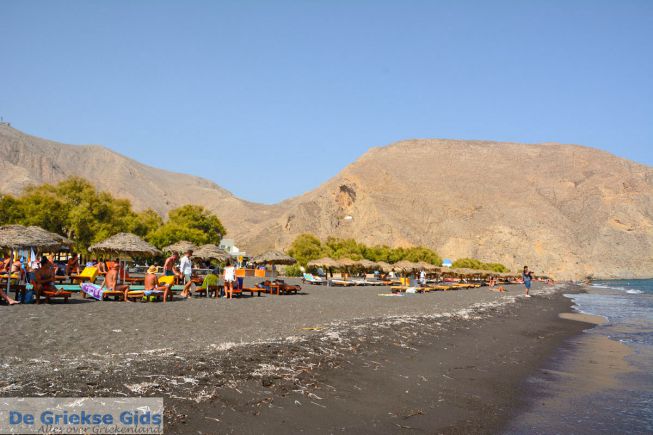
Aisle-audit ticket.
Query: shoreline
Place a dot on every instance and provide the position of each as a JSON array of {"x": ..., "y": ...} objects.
[{"x": 451, "y": 362}]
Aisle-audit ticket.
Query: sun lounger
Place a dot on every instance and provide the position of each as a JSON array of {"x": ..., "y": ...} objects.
[
  {"x": 138, "y": 292},
  {"x": 49, "y": 295},
  {"x": 253, "y": 290},
  {"x": 287, "y": 289},
  {"x": 311, "y": 279},
  {"x": 341, "y": 283},
  {"x": 212, "y": 289}
]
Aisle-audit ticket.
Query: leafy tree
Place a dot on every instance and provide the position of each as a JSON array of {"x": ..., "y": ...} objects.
[
  {"x": 472, "y": 263},
  {"x": 74, "y": 208},
  {"x": 306, "y": 247},
  {"x": 189, "y": 222},
  {"x": 421, "y": 253},
  {"x": 344, "y": 248}
]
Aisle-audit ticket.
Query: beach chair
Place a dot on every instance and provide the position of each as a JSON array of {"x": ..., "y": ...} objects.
[
  {"x": 287, "y": 289},
  {"x": 50, "y": 295},
  {"x": 237, "y": 290},
  {"x": 309, "y": 278},
  {"x": 212, "y": 289},
  {"x": 89, "y": 274},
  {"x": 252, "y": 290},
  {"x": 341, "y": 283},
  {"x": 138, "y": 293}
]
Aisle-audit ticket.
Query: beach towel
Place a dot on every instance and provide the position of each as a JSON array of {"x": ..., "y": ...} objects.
[{"x": 92, "y": 290}]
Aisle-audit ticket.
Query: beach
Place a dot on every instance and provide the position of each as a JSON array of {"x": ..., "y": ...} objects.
[{"x": 327, "y": 360}]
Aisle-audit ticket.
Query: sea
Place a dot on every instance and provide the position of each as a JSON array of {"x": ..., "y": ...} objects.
[
  {"x": 622, "y": 404},
  {"x": 627, "y": 305}
]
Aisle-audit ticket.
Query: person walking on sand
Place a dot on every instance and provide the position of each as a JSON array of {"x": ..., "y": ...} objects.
[
  {"x": 527, "y": 276},
  {"x": 229, "y": 278}
]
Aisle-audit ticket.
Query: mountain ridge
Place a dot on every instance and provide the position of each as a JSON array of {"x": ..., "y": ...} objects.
[{"x": 569, "y": 210}]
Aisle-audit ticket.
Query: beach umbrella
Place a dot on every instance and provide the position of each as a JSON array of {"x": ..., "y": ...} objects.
[
  {"x": 346, "y": 262},
  {"x": 427, "y": 266},
  {"x": 19, "y": 237},
  {"x": 273, "y": 257},
  {"x": 125, "y": 245},
  {"x": 385, "y": 267},
  {"x": 181, "y": 246},
  {"x": 16, "y": 237},
  {"x": 367, "y": 264},
  {"x": 325, "y": 262},
  {"x": 211, "y": 252},
  {"x": 406, "y": 265}
]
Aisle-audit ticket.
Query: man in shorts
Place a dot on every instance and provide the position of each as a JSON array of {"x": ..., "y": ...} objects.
[{"x": 170, "y": 266}]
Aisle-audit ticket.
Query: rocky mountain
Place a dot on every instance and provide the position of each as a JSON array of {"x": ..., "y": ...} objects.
[
  {"x": 562, "y": 209},
  {"x": 31, "y": 160}
]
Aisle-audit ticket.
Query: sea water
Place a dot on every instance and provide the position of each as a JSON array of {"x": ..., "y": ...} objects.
[
  {"x": 627, "y": 305},
  {"x": 566, "y": 399}
]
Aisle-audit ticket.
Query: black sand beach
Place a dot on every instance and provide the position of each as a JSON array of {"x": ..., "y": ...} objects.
[{"x": 325, "y": 361}]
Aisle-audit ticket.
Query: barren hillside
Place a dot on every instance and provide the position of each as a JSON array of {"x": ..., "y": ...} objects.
[
  {"x": 563, "y": 209},
  {"x": 32, "y": 160}
]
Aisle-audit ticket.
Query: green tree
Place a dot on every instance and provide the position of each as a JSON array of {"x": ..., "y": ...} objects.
[
  {"x": 472, "y": 263},
  {"x": 421, "y": 253},
  {"x": 306, "y": 247},
  {"x": 189, "y": 222},
  {"x": 344, "y": 248},
  {"x": 10, "y": 212}
]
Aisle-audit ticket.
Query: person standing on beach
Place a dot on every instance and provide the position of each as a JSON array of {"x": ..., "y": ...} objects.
[
  {"x": 186, "y": 270},
  {"x": 169, "y": 265},
  {"x": 527, "y": 276},
  {"x": 229, "y": 278}
]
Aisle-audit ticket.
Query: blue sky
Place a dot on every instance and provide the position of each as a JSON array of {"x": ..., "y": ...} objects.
[{"x": 269, "y": 99}]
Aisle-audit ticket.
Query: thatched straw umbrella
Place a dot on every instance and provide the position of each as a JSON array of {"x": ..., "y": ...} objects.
[
  {"x": 346, "y": 262},
  {"x": 328, "y": 263},
  {"x": 324, "y": 262},
  {"x": 125, "y": 245},
  {"x": 16, "y": 237},
  {"x": 427, "y": 266},
  {"x": 386, "y": 267},
  {"x": 181, "y": 246},
  {"x": 273, "y": 257},
  {"x": 406, "y": 265},
  {"x": 211, "y": 252},
  {"x": 367, "y": 264}
]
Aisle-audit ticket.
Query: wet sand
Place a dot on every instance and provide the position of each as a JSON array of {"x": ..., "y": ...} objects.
[{"x": 328, "y": 360}]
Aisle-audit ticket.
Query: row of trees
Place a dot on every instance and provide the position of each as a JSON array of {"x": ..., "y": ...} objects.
[
  {"x": 472, "y": 263},
  {"x": 75, "y": 209},
  {"x": 307, "y": 247}
]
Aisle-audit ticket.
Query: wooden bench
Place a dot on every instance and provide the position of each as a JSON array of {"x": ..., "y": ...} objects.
[
  {"x": 213, "y": 290},
  {"x": 287, "y": 289},
  {"x": 253, "y": 290},
  {"x": 49, "y": 295}
]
